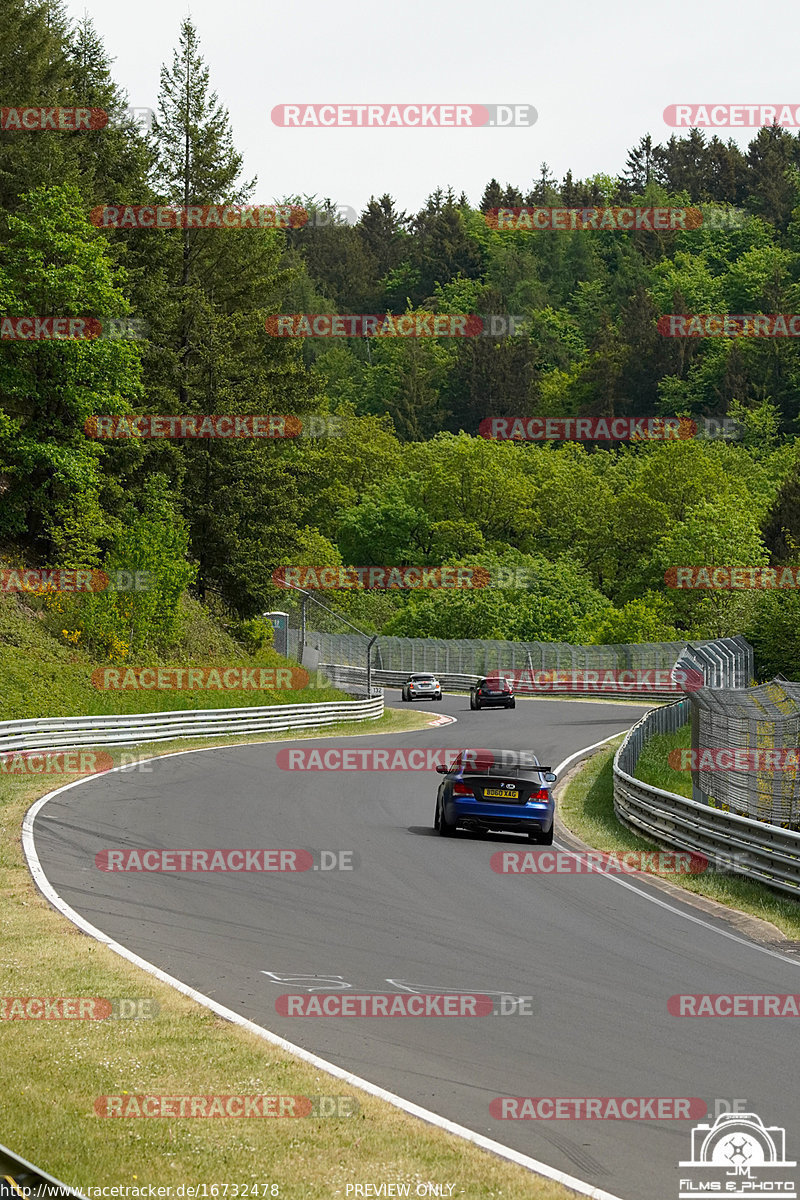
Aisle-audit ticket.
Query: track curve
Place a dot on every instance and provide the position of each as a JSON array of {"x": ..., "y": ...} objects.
[{"x": 599, "y": 959}]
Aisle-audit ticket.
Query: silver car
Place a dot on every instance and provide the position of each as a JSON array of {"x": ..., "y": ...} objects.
[{"x": 422, "y": 687}]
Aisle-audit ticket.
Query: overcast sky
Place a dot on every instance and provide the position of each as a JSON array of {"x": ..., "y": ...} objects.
[{"x": 599, "y": 75}]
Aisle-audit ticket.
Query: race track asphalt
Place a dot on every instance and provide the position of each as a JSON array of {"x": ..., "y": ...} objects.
[{"x": 599, "y": 955}]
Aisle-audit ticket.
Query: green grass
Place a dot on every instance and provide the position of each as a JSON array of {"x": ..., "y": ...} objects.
[
  {"x": 653, "y": 767},
  {"x": 44, "y": 677},
  {"x": 586, "y": 807},
  {"x": 55, "y": 1070}
]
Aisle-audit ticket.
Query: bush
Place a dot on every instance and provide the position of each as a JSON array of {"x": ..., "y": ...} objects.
[
  {"x": 255, "y": 634},
  {"x": 774, "y": 634}
]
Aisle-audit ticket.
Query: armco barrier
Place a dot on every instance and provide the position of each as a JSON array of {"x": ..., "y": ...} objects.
[
  {"x": 26, "y": 1180},
  {"x": 754, "y": 849},
  {"x": 54, "y": 733},
  {"x": 346, "y": 677},
  {"x": 726, "y": 662}
]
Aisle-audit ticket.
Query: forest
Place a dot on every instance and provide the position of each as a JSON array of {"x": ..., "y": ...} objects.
[{"x": 391, "y": 464}]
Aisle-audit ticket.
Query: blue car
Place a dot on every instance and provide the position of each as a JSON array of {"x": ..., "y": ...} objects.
[{"x": 506, "y": 790}]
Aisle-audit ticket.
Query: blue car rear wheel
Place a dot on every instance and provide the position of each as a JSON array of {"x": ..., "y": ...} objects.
[
  {"x": 443, "y": 826},
  {"x": 542, "y": 839}
]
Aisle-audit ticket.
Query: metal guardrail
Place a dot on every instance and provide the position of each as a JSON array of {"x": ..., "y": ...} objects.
[
  {"x": 754, "y": 849},
  {"x": 725, "y": 662},
  {"x": 343, "y": 676},
  {"x": 50, "y": 733},
  {"x": 23, "y": 1179}
]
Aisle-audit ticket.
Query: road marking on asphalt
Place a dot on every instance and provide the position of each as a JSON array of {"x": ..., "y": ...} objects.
[
  {"x": 646, "y": 895},
  {"x": 416, "y": 1110},
  {"x": 373, "y": 1089}
]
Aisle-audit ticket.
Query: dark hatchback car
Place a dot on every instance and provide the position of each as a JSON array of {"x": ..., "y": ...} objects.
[
  {"x": 505, "y": 790},
  {"x": 492, "y": 690}
]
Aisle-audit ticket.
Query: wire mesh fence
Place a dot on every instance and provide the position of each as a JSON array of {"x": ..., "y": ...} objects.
[
  {"x": 756, "y": 849},
  {"x": 762, "y": 783},
  {"x": 726, "y": 662},
  {"x": 726, "y": 713}
]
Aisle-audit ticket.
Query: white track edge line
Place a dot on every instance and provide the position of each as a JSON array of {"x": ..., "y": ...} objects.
[
  {"x": 646, "y": 895},
  {"x": 426, "y": 1115},
  {"x": 414, "y": 1110}
]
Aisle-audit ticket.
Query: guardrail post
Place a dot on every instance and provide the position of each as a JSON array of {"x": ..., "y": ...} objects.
[{"x": 369, "y": 666}]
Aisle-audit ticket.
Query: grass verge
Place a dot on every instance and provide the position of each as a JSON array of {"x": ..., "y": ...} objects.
[
  {"x": 45, "y": 677},
  {"x": 653, "y": 767},
  {"x": 56, "y": 1069},
  {"x": 586, "y": 807}
]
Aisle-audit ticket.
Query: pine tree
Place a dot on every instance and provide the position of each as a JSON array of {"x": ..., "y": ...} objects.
[
  {"x": 727, "y": 172},
  {"x": 112, "y": 163},
  {"x": 642, "y": 166},
  {"x": 570, "y": 191},
  {"x": 544, "y": 189},
  {"x": 383, "y": 231},
  {"x": 214, "y": 355},
  {"x": 441, "y": 248},
  {"x": 492, "y": 196},
  {"x": 195, "y": 159},
  {"x": 771, "y": 190},
  {"x": 512, "y": 197},
  {"x": 35, "y": 72}
]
